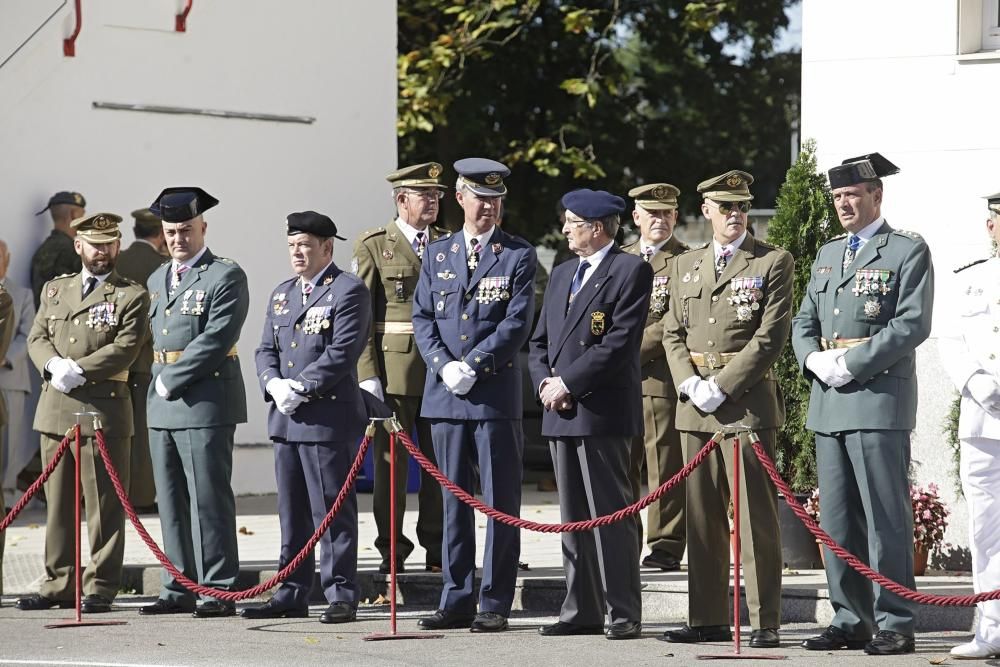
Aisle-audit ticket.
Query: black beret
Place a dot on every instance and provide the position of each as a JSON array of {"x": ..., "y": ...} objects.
[
  {"x": 311, "y": 222},
  {"x": 65, "y": 197},
  {"x": 591, "y": 204}
]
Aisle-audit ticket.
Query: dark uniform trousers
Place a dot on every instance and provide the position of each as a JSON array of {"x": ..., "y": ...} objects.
[
  {"x": 141, "y": 488},
  {"x": 181, "y": 456},
  {"x": 865, "y": 478},
  {"x": 664, "y": 456},
  {"x": 495, "y": 447},
  {"x": 311, "y": 474},
  {"x": 709, "y": 547},
  {"x": 105, "y": 518},
  {"x": 602, "y": 464},
  {"x": 429, "y": 497}
]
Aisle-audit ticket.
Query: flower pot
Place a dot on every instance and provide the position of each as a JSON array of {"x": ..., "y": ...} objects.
[
  {"x": 798, "y": 546},
  {"x": 920, "y": 556}
]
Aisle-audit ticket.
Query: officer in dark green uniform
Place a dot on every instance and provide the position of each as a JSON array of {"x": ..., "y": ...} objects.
[
  {"x": 388, "y": 259},
  {"x": 137, "y": 262},
  {"x": 655, "y": 215},
  {"x": 198, "y": 305},
  {"x": 56, "y": 256},
  {"x": 85, "y": 336}
]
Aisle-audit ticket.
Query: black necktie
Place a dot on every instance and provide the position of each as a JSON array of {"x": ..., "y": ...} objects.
[
  {"x": 577, "y": 284},
  {"x": 89, "y": 286}
]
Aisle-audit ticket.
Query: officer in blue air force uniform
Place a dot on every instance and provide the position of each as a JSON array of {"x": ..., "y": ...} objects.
[
  {"x": 198, "y": 303},
  {"x": 314, "y": 333},
  {"x": 472, "y": 313}
]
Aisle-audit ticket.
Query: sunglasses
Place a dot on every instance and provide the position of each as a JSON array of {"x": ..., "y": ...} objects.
[
  {"x": 429, "y": 195},
  {"x": 725, "y": 207}
]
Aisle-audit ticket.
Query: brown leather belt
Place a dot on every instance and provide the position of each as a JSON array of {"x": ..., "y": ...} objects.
[
  {"x": 712, "y": 360},
  {"x": 394, "y": 327},
  {"x": 167, "y": 357},
  {"x": 842, "y": 343}
]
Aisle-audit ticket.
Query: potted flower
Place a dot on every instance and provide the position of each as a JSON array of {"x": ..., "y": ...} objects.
[{"x": 930, "y": 520}]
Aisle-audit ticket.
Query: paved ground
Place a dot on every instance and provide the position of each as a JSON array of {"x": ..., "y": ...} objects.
[{"x": 182, "y": 640}]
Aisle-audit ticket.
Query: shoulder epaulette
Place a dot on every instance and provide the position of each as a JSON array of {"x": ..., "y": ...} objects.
[
  {"x": 696, "y": 246},
  {"x": 629, "y": 245},
  {"x": 65, "y": 275},
  {"x": 447, "y": 235},
  {"x": 908, "y": 234},
  {"x": 972, "y": 263},
  {"x": 225, "y": 260},
  {"x": 368, "y": 233},
  {"x": 838, "y": 237}
]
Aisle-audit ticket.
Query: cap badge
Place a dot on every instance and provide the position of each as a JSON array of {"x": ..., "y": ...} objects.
[
  {"x": 492, "y": 178},
  {"x": 78, "y": 199},
  {"x": 101, "y": 223},
  {"x": 734, "y": 180},
  {"x": 659, "y": 192},
  {"x": 434, "y": 171}
]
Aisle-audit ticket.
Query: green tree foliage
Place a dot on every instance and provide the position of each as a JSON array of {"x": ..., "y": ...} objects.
[
  {"x": 596, "y": 93},
  {"x": 804, "y": 220}
]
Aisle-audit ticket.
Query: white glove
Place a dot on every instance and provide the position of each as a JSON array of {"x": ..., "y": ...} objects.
[
  {"x": 283, "y": 391},
  {"x": 161, "y": 389},
  {"x": 374, "y": 387},
  {"x": 66, "y": 374},
  {"x": 985, "y": 391},
  {"x": 706, "y": 395},
  {"x": 829, "y": 367},
  {"x": 458, "y": 377},
  {"x": 687, "y": 387}
]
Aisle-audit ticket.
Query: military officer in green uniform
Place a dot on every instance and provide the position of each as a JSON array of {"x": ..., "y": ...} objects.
[
  {"x": 729, "y": 317},
  {"x": 137, "y": 262},
  {"x": 57, "y": 256},
  {"x": 84, "y": 338},
  {"x": 199, "y": 302},
  {"x": 6, "y": 334},
  {"x": 655, "y": 215},
  {"x": 388, "y": 260},
  {"x": 867, "y": 307}
]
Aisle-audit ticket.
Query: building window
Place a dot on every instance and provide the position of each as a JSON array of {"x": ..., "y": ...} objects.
[
  {"x": 991, "y": 25},
  {"x": 978, "y": 29}
]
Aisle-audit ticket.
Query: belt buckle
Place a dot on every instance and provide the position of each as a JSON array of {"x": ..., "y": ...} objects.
[{"x": 711, "y": 360}]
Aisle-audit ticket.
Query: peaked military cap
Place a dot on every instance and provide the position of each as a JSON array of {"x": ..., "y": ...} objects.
[
  {"x": 98, "y": 228},
  {"x": 65, "y": 197},
  {"x": 591, "y": 204},
  {"x": 993, "y": 201},
  {"x": 734, "y": 185},
  {"x": 145, "y": 221},
  {"x": 311, "y": 222},
  {"x": 861, "y": 169},
  {"x": 482, "y": 176},
  {"x": 426, "y": 175},
  {"x": 655, "y": 196},
  {"x": 181, "y": 204}
]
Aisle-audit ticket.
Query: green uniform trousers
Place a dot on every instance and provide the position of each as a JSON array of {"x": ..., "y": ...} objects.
[
  {"x": 429, "y": 520},
  {"x": 709, "y": 548},
  {"x": 664, "y": 456},
  {"x": 142, "y": 488},
  {"x": 105, "y": 519}
]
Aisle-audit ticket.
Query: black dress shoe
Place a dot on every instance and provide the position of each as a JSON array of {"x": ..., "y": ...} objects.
[
  {"x": 36, "y": 602},
  {"x": 659, "y": 560},
  {"x": 624, "y": 630},
  {"x": 488, "y": 621},
  {"x": 444, "y": 619},
  {"x": 338, "y": 612},
  {"x": 162, "y": 606},
  {"x": 272, "y": 609},
  {"x": 887, "y": 642},
  {"x": 561, "y": 629},
  {"x": 699, "y": 633},
  {"x": 384, "y": 567},
  {"x": 214, "y": 609},
  {"x": 95, "y": 604},
  {"x": 765, "y": 638},
  {"x": 436, "y": 569},
  {"x": 832, "y": 639}
]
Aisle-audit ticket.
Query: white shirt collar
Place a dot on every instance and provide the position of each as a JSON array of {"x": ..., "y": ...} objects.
[
  {"x": 598, "y": 257},
  {"x": 656, "y": 247},
  {"x": 85, "y": 275},
  {"x": 191, "y": 261},
  {"x": 410, "y": 232},
  {"x": 313, "y": 279},
  {"x": 868, "y": 231},
  {"x": 719, "y": 248},
  {"x": 484, "y": 238}
]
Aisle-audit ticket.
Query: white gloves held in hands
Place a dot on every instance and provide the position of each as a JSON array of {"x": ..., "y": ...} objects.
[
  {"x": 984, "y": 390},
  {"x": 66, "y": 374},
  {"x": 458, "y": 377},
  {"x": 373, "y": 386},
  {"x": 284, "y": 391},
  {"x": 830, "y": 367},
  {"x": 704, "y": 394}
]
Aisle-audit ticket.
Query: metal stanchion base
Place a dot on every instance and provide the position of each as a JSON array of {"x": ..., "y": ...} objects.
[
  {"x": 384, "y": 636},
  {"x": 73, "y": 623},
  {"x": 740, "y": 656}
]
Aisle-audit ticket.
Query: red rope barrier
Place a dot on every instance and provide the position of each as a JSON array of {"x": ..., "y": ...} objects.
[
  {"x": 852, "y": 560},
  {"x": 572, "y": 526},
  {"x": 232, "y": 596},
  {"x": 36, "y": 485}
]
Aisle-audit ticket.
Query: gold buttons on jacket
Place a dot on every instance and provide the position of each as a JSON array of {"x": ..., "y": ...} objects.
[
  {"x": 465, "y": 316},
  {"x": 290, "y": 364},
  {"x": 72, "y": 340},
  {"x": 711, "y": 320},
  {"x": 294, "y": 344},
  {"x": 711, "y": 343},
  {"x": 76, "y": 321},
  {"x": 715, "y": 298},
  {"x": 464, "y": 337},
  {"x": 166, "y": 312},
  {"x": 165, "y": 332},
  {"x": 840, "y": 290},
  {"x": 836, "y": 311}
]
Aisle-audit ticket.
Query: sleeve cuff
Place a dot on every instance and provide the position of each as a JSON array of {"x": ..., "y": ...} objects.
[{"x": 481, "y": 362}]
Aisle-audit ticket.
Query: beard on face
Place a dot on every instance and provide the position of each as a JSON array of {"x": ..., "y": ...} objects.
[{"x": 99, "y": 265}]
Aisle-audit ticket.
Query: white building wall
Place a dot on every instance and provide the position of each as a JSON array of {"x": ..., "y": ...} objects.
[
  {"x": 886, "y": 76},
  {"x": 332, "y": 60}
]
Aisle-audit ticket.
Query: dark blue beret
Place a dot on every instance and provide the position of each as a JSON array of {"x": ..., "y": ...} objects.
[
  {"x": 591, "y": 204},
  {"x": 311, "y": 222},
  {"x": 483, "y": 176},
  {"x": 65, "y": 197},
  {"x": 181, "y": 204}
]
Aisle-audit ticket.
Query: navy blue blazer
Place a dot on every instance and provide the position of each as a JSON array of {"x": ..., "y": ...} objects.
[
  {"x": 318, "y": 344},
  {"x": 483, "y": 319},
  {"x": 594, "y": 347}
]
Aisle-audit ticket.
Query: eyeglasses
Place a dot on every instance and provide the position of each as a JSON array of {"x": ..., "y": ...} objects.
[
  {"x": 579, "y": 223},
  {"x": 429, "y": 195},
  {"x": 725, "y": 207}
]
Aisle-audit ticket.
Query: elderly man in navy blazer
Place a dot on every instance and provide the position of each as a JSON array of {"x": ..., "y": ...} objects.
[
  {"x": 314, "y": 332},
  {"x": 472, "y": 312},
  {"x": 585, "y": 366}
]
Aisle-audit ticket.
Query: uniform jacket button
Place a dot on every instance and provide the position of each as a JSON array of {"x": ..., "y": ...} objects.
[
  {"x": 715, "y": 298},
  {"x": 711, "y": 320},
  {"x": 836, "y": 311}
]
